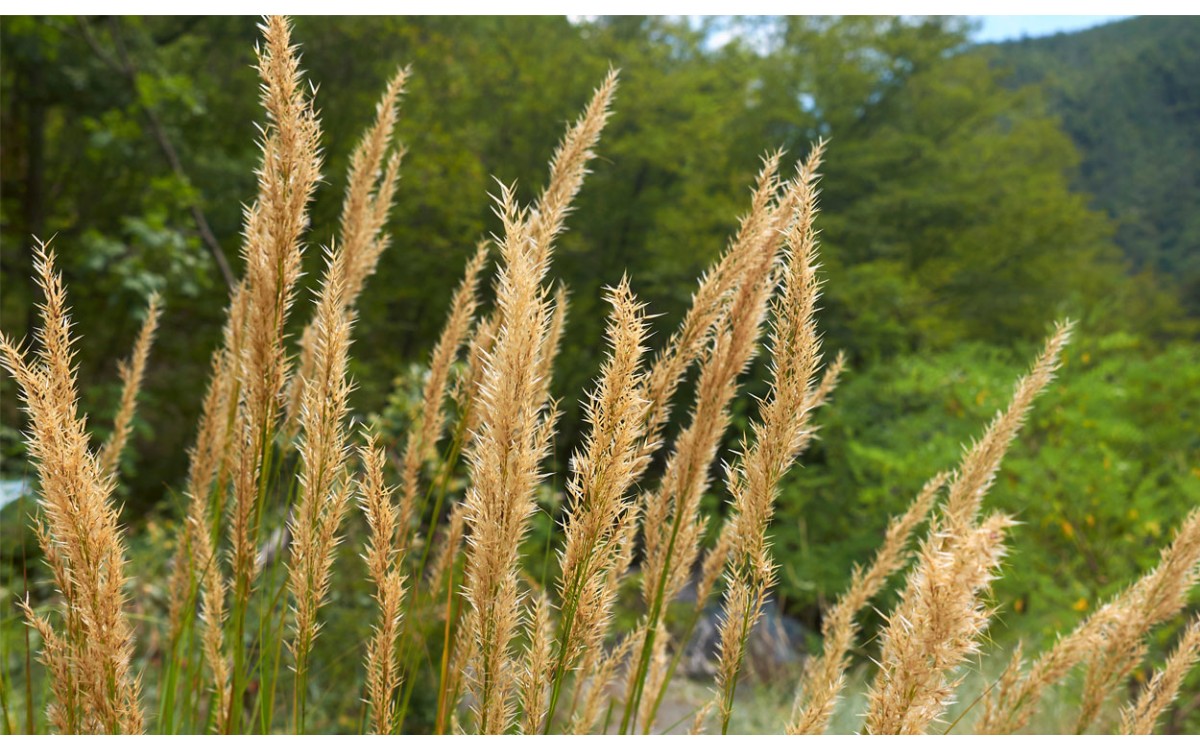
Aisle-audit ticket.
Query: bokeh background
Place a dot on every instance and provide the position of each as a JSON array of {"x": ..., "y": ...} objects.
[{"x": 974, "y": 192}]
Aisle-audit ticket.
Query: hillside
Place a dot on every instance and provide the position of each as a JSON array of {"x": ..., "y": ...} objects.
[{"x": 1128, "y": 94}]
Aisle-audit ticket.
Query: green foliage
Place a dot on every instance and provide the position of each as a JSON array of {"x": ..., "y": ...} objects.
[
  {"x": 1107, "y": 466},
  {"x": 1126, "y": 94},
  {"x": 948, "y": 202}
]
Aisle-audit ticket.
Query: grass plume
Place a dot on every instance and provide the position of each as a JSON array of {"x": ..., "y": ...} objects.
[
  {"x": 1141, "y": 716},
  {"x": 825, "y": 675},
  {"x": 780, "y": 435},
  {"x": 325, "y": 484},
  {"x": 427, "y": 429},
  {"x": 272, "y": 251},
  {"x": 89, "y": 655},
  {"x": 505, "y": 460},
  {"x": 132, "y": 373},
  {"x": 384, "y": 569},
  {"x": 371, "y": 182},
  {"x": 1110, "y": 640},
  {"x": 941, "y": 615},
  {"x": 602, "y": 473}
]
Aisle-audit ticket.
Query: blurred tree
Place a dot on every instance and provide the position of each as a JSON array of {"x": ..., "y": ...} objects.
[
  {"x": 947, "y": 209},
  {"x": 81, "y": 165},
  {"x": 1126, "y": 94}
]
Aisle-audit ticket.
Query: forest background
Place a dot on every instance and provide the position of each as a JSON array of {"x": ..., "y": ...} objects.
[{"x": 972, "y": 194}]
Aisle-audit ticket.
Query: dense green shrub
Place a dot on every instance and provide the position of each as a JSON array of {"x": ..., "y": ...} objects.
[{"x": 1108, "y": 464}]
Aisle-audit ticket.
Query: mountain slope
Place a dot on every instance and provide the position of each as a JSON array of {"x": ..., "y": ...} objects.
[{"x": 1128, "y": 94}]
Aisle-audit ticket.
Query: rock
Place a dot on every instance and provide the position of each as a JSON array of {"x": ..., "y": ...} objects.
[{"x": 775, "y": 647}]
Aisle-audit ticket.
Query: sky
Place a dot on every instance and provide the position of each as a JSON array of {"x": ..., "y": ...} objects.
[
  {"x": 1001, "y": 28},
  {"x": 991, "y": 28}
]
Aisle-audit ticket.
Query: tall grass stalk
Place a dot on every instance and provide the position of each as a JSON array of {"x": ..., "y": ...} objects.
[
  {"x": 88, "y": 656},
  {"x": 1141, "y": 716},
  {"x": 780, "y": 435},
  {"x": 325, "y": 482},
  {"x": 941, "y": 616},
  {"x": 132, "y": 372},
  {"x": 672, "y": 527},
  {"x": 272, "y": 251}
]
